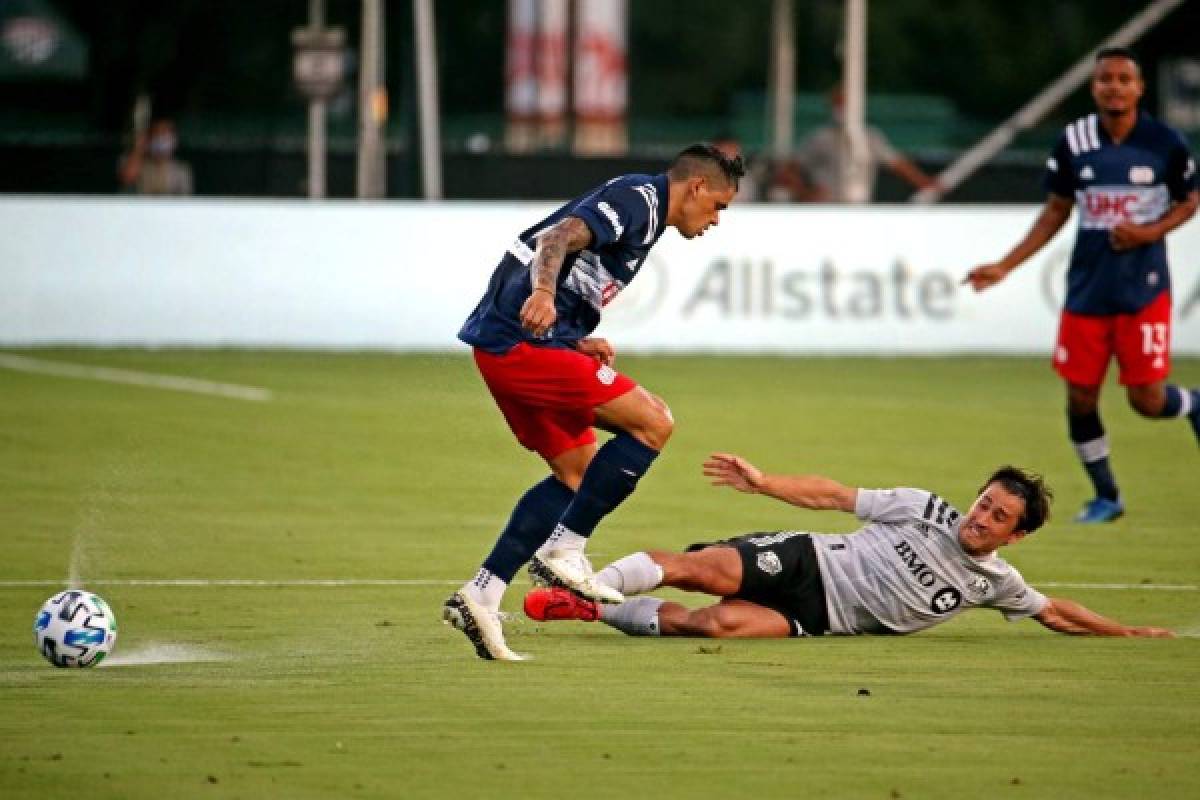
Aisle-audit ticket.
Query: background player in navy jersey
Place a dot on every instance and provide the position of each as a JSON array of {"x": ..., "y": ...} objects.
[
  {"x": 553, "y": 383},
  {"x": 1135, "y": 182},
  {"x": 916, "y": 562}
]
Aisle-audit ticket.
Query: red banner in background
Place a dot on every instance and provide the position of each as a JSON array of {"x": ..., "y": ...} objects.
[
  {"x": 601, "y": 77},
  {"x": 537, "y": 69},
  {"x": 520, "y": 79},
  {"x": 520, "y": 75},
  {"x": 535, "y": 75},
  {"x": 551, "y": 55}
]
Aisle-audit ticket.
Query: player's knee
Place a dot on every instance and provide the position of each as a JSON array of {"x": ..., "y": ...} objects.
[
  {"x": 1082, "y": 400},
  {"x": 659, "y": 423},
  {"x": 1145, "y": 404},
  {"x": 569, "y": 476}
]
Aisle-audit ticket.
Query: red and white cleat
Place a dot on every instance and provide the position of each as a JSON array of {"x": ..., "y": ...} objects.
[{"x": 546, "y": 605}]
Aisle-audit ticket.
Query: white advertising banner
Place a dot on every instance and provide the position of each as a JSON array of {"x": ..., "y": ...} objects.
[{"x": 883, "y": 280}]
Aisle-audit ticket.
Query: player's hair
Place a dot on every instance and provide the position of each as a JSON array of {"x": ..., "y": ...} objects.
[
  {"x": 1119, "y": 52},
  {"x": 706, "y": 160},
  {"x": 1030, "y": 487}
]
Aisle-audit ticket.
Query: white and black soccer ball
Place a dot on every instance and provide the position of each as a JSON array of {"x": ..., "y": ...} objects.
[{"x": 75, "y": 629}]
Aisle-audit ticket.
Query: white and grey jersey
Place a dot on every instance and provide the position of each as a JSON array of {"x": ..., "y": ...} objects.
[{"x": 905, "y": 570}]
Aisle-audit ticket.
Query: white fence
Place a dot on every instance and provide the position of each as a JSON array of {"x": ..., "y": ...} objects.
[{"x": 403, "y": 276}]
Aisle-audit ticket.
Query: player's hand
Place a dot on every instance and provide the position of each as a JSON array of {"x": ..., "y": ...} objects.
[
  {"x": 985, "y": 275},
  {"x": 598, "y": 349},
  {"x": 538, "y": 313},
  {"x": 1126, "y": 236},
  {"x": 726, "y": 469},
  {"x": 1151, "y": 632}
]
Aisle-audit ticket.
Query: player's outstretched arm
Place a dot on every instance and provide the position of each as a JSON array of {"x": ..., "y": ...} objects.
[
  {"x": 1054, "y": 215},
  {"x": 565, "y": 236},
  {"x": 1067, "y": 616},
  {"x": 807, "y": 491}
]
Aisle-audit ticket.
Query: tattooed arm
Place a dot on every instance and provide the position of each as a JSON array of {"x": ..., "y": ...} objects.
[{"x": 566, "y": 236}]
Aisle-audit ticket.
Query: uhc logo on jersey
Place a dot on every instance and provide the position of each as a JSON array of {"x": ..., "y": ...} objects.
[{"x": 1105, "y": 207}]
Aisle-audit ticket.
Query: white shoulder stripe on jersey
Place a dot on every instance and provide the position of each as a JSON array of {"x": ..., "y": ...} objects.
[
  {"x": 1081, "y": 135},
  {"x": 1093, "y": 132},
  {"x": 650, "y": 203},
  {"x": 613, "y": 218},
  {"x": 1072, "y": 142},
  {"x": 650, "y": 195},
  {"x": 521, "y": 252}
]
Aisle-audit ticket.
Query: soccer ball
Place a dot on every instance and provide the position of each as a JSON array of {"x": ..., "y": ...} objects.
[{"x": 75, "y": 629}]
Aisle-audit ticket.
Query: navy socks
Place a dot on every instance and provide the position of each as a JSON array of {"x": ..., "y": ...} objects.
[
  {"x": 1182, "y": 403},
  {"x": 1091, "y": 445},
  {"x": 532, "y": 521},
  {"x": 609, "y": 479}
]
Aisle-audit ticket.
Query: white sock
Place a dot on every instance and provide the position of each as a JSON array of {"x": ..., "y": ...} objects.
[
  {"x": 633, "y": 574},
  {"x": 637, "y": 616},
  {"x": 485, "y": 589},
  {"x": 563, "y": 538}
]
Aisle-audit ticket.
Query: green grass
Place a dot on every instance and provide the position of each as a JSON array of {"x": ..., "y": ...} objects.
[{"x": 399, "y": 467}]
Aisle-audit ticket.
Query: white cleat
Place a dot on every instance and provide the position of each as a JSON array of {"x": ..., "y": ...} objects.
[
  {"x": 570, "y": 569},
  {"x": 479, "y": 625}
]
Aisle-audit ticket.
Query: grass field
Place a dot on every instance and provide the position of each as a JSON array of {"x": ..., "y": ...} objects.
[{"x": 399, "y": 469}]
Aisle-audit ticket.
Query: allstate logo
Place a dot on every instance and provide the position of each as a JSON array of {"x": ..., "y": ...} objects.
[{"x": 641, "y": 299}]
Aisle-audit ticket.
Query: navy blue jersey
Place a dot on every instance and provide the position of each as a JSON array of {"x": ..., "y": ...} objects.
[
  {"x": 1133, "y": 181},
  {"x": 626, "y": 216}
]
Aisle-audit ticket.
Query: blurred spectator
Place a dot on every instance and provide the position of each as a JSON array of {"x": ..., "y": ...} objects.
[
  {"x": 750, "y": 184},
  {"x": 787, "y": 183},
  {"x": 823, "y": 153},
  {"x": 151, "y": 167}
]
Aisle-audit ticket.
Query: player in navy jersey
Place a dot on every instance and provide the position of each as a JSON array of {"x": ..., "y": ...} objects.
[
  {"x": 553, "y": 382},
  {"x": 1134, "y": 181}
]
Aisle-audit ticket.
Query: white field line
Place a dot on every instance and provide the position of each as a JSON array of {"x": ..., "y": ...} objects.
[
  {"x": 336, "y": 582},
  {"x": 133, "y": 378},
  {"x": 1161, "y": 587}
]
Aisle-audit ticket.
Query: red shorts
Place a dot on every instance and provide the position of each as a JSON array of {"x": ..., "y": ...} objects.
[
  {"x": 549, "y": 394},
  {"x": 1140, "y": 341}
]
